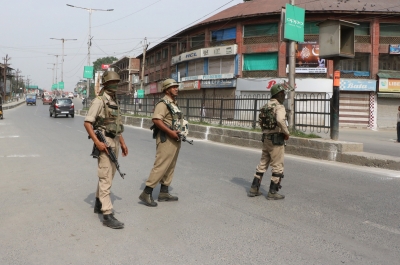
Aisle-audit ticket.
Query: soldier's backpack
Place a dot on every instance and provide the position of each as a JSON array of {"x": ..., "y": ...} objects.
[{"x": 266, "y": 118}]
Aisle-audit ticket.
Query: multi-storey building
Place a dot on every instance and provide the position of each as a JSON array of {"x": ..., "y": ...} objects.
[
  {"x": 240, "y": 52},
  {"x": 127, "y": 68}
]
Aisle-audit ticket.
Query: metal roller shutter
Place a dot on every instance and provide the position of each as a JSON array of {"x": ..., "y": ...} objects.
[{"x": 354, "y": 109}]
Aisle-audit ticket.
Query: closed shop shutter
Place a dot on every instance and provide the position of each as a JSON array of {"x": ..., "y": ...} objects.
[
  {"x": 182, "y": 69},
  {"x": 354, "y": 109},
  {"x": 192, "y": 68},
  {"x": 200, "y": 67}
]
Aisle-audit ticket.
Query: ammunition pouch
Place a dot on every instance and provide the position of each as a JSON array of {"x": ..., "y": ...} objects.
[
  {"x": 276, "y": 138},
  {"x": 156, "y": 131}
]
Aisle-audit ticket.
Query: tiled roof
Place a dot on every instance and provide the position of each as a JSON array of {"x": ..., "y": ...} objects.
[{"x": 259, "y": 7}]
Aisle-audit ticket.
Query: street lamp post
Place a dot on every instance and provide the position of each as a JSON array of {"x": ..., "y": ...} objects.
[
  {"x": 62, "y": 56},
  {"x": 56, "y": 55},
  {"x": 90, "y": 10}
]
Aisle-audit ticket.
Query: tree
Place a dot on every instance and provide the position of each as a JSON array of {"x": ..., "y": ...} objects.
[{"x": 105, "y": 60}]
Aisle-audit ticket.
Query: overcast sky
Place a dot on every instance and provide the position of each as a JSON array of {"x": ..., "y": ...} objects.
[{"x": 28, "y": 25}]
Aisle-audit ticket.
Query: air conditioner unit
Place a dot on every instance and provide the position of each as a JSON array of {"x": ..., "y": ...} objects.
[{"x": 146, "y": 79}]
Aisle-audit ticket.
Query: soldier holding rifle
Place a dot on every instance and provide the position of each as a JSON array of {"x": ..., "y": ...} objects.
[
  {"x": 169, "y": 129},
  {"x": 104, "y": 114}
]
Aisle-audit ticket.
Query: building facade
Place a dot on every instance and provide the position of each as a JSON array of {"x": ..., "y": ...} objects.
[{"x": 240, "y": 51}]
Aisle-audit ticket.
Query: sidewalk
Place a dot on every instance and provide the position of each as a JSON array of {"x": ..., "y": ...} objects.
[{"x": 13, "y": 104}]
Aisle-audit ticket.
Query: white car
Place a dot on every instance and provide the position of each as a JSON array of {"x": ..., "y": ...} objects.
[{"x": 70, "y": 95}]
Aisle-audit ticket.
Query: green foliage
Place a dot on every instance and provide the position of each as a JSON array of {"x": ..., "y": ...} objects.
[
  {"x": 105, "y": 60},
  {"x": 301, "y": 134}
]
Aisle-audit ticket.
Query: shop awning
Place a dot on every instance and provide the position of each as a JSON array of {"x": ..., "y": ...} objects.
[
  {"x": 388, "y": 95},
  {"x": 391, "y": 74}
]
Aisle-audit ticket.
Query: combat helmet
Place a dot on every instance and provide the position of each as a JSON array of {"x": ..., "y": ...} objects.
[
  {"x": 169, "y": 83},
  {"x": 109, "y": 76},
  {"x": 275, "y": 89}
]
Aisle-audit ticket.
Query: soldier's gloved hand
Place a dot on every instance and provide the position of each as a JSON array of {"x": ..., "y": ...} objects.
[
  {"x": 102, "y": 147},
  {"x": 174, "y": 135},
  {"x": 286, "y": 137}
]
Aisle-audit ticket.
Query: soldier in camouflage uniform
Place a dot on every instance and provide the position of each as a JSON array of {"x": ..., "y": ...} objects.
[
  {"x": 275, "y": 132},
  {"x": 104, "y": 114}
]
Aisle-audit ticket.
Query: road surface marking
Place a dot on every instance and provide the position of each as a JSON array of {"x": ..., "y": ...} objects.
[
  {"x": 81, "y": 131},
  {"x": 382, "y": 227},
  {"x": 21, "y": 156},
  {"x": 11, "y": 136}
]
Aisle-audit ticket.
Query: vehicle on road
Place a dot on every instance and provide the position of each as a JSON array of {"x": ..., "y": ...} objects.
[
  {"x": 70, "y": 95},
  {"x": 62, "y": 106},
  {"x": 31, "y": 99},
  {"x": 47, "y": 100},
  {"x": 75, "y": 95}
]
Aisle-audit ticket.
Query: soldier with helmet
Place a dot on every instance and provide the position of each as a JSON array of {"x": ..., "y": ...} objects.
[
  {"x": 104, "y": 114},
  {"x": 272, "y": 120},
  {"x": 168, "y": 125}
]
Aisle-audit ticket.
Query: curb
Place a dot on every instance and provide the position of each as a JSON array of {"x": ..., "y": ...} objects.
[{"x": 318, "y": 148}]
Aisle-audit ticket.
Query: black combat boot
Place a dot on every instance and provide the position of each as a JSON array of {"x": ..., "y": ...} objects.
[
  {"x": 110, "y": 221},
  {"x": 165, "y": 196},
  {"x": 273, "y": 192},
  {"x": 97, "y": 206},
  {"x": 255, "y": 186},
  {"x": 147, "y": 198}
]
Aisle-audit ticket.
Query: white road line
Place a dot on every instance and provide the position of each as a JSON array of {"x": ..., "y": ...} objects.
[
  {"x": 67, "y": 126},
  {"x": 81, "y": 131},
  {"x": 11, "y": 136},
  {"x": 382, "y": 227}
]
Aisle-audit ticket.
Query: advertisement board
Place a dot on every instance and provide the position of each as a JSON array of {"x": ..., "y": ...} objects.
[
  {"x": 394, "y": 48},
  {"x": 205, "y": 53},
  {"x": 218, "y": 83},
  {"x": 105, "y": 66},
  {"x": 389, "y": 85},
  {"x": 294, "y": 23},
  {"x": 153, "y": 88},
  {"x": 88, "y": 72},
  {"x": 307, "y": 58},
  {"x": 357, "y": 85},
  {"x": 190, "y": 85}
]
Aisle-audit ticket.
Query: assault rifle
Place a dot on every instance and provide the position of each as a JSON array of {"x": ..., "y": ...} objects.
[
  {"x": 183, "y": 139},
  {"x": 96, "y": 152}
]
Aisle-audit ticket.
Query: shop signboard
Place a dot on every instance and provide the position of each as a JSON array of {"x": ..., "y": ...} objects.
[
  {"x": 205, "y": 53},
  {"x": 140, "y": 93},
  {"x": 218, "y": 83},
  {"x": 105, "y": 66},
  {"x": 389, "y": 85},
  {"x": 88, "y": 72},
  {"x": 190, "y": 85},
  {"x": 307, "y": 58},
  {"x": 357, "y": 85},
  {"x": 206, "y": 77}
]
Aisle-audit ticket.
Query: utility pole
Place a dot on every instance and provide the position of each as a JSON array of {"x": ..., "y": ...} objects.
[
  {"x": 54, "y": 66},
  {"x": 145, "y": 46},
  {"x": 56, "y": 55},
  {"x": 292, "y": 82},
  {"x": 90, "y": 10},
  {"x": 5, "y": 75},
  {"x": 62, "y": 56},
  {"x": 17, "y": 72}
]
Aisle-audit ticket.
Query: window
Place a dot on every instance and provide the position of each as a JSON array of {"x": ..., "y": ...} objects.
[
  {"x": 158, "y": 56},
  {"x": 173, "y": 50},
  {"x": 260, "y": 61},
  {"x": 362, "y": 29},
  {"x": 197, "y": 41},
  {"x": 165, "y": 53},
  {"x": 311, "y": 28},
  {"x": 182, "y": 46},
  {"x": 222, "y": 65},
  {"x": 389, "y": 30},
  {"x": 260, "y": 30},
  {"x": 359, "y": 63},
  {"x": 223, "y": 34},
  {"x": 196, "y": 67},
  {"x": 152, "y": 59},
  {"x": 389, "y": 62}
]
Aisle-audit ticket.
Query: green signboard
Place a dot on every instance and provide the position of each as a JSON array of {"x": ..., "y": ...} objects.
[
  {"x": 61, "y": 85},
  {"x": 294, "y": 23},
  {"x": 88, "y": 72},
  {"x": 140, "y": 93}
]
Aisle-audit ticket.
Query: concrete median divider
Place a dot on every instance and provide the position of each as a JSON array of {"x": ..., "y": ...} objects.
[{"x": 325, "y": 149}]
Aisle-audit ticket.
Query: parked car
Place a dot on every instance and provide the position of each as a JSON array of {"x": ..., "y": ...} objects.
[
  {"x": 31, "y": 99},
  {"x": 47, "y": 100},
  {"x": 70, "y": 95},
  {"x": 62, "y": 106}
]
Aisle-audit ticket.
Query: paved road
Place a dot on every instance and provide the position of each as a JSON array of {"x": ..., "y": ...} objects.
[{"x": 333, "y": 213}]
